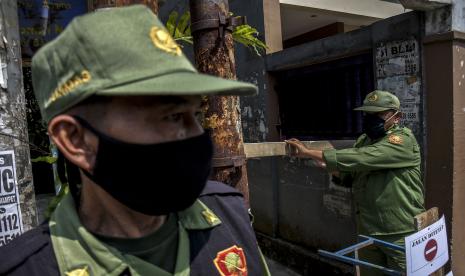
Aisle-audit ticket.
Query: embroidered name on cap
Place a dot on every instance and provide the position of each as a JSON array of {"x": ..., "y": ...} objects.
[
  {"x": 69, "y": 86},
  {"x": 163, "y": 41}
]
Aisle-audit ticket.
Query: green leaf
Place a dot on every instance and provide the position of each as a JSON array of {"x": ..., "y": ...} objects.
[
  {"x": 180, "y": 30},
  {"x": 183, "y": 25},
  {"x": 187, "y": 39},
  {"x": 46, "y": 159},
  {"x": 171, "y": 23},
  {"x": 248, "y": 36}
]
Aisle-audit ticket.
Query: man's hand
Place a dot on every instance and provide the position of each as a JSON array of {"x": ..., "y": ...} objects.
[
  {"x": 298, "y": 149},
  {"x": 301, "y": 151}
]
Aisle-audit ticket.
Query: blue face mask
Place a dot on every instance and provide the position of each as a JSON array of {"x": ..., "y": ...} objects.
[{"x": 153, "y": 179}]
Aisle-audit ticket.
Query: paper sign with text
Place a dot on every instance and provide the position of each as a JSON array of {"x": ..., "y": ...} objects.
[
  {"x": 427, "y": 250},
  {"x": 11, "y": 225}
]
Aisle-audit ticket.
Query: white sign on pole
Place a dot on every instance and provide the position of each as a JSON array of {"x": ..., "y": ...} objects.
[
  {"x": 11, "y": 225},
  {"x": 427, "y": 250}
]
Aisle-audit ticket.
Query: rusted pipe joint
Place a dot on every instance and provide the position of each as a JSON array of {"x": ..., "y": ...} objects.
[{"x": 222, "y": 23}]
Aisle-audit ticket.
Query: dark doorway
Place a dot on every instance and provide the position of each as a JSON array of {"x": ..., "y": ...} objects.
[{"x": 316, "y": 101}]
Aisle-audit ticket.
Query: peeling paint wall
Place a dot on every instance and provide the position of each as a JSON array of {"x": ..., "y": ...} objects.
[
  {"x": 251, "y": 68},
  {"x": 398, "y": 50},
  {"x": 13, "y": 126},
  {"x": 398, "y": 71},
  {"x": 458, "y": 15},
  {"x": 446, "y": 19}
]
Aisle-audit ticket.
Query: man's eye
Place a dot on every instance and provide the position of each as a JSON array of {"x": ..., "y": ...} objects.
[{"x": 176, "y": 117}]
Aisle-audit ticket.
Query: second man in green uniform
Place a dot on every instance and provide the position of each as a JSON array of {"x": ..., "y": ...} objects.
[{"x": 383, "y": 169}]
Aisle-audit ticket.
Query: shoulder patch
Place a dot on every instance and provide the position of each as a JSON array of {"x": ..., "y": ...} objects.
[
  {"x": 231, "y": 262},
  {"x": 395, "y": 139}
]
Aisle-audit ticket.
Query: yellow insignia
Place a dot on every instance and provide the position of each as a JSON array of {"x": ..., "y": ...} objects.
[
  {"x": 395, "y": 139},
  {"x": 163, "y": 40},
  {"x": 210, "y": 217},
  {"x": 231, "y": 262},
  {"x": 372, "y": 98},
  {"x": 78, "y": 272}
]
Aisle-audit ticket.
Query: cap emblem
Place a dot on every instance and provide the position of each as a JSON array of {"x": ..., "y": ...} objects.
[
  {"x": 372, "y": 98},
  {"x": 163, "y": 41}
]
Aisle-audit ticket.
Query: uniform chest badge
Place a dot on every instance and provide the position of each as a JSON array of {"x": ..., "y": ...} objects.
[
  {"x": 163, "y": 41},
  {"x": 231, "y": 262},
  {"x": 78, "y": 272},
  {"x": 395, "y": 139}
]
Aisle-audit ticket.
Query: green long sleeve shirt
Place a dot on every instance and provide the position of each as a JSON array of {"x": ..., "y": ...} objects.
[{"x": 386, "y": 181}]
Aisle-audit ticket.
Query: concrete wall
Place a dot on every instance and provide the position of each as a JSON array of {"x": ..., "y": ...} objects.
[
  {"x": 397, "y": 50},
  {"x": 297, "y": 202},
  {"x": 445, "y": 178}
]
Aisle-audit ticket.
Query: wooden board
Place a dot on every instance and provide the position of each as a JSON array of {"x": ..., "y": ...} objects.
[
  {"x": 255, "y": 150},
  {"x": 425, "y": 219}
]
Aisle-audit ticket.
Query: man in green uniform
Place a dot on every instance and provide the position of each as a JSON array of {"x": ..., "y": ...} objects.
[
  {"x": 120, "y": 101},
  {"x": 383, "y": 169}
]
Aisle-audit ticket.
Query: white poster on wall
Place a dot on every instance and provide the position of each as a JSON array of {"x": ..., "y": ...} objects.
[
  {"x": 427, "y": 250},
  {"x": 11, "y": 225}
]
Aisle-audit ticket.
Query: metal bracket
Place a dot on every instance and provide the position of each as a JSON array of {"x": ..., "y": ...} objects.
[
  {"x": 366, "y": 241},
  {"x": 230, "y": 161},
  {"x": 222, "y": 23}
]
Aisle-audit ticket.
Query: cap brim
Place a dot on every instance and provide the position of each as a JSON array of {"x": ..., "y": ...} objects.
[
  {"x": 182, "y": 84},
  {"x": 371, "y": 108}
]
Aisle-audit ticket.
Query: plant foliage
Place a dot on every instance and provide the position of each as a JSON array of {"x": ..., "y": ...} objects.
[{"x": 179, "y": 28}]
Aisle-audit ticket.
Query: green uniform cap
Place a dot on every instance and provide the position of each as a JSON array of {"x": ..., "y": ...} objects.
[
  {"x": 118, "y": 52},
  {"x": 378, "y": 101}
]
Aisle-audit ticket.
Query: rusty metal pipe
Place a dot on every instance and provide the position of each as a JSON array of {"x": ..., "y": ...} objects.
[{"x": 214, "y": 55}]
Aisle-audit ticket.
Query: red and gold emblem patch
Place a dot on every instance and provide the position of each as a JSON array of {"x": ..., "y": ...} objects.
[
  {"x": 231, "y": 262},
  {"x": 395, "y": 139}
]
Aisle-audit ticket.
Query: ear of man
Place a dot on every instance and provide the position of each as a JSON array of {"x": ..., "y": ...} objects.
[{"x": 77, "y": 144}]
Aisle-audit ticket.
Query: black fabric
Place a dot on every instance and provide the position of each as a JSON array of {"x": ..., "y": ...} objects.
[
  {"x": 181, "y": 165},
  {"x": 32, "y": 253},
  {"x": 235, "y": 229}
]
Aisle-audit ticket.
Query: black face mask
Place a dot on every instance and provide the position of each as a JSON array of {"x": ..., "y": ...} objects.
[
  {"x": 153, "y": 179},
  {"x": 373, "y": 126}
]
